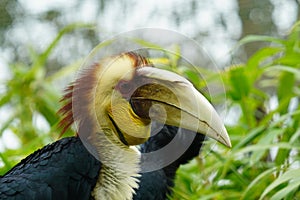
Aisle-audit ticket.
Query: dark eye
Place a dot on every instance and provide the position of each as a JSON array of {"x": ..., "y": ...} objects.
[{"x": 141, "y": 108}]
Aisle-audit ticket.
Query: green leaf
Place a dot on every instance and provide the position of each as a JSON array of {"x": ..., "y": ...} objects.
[
  {"x": 239, "y": 82},
  {"x": 269, "y": 137},
  {"x": 256, "y": 147},
  {"x": 284, "y": 68},
  {"x": 44, "y": 56},
  {"x": 148, "y": 44},
  {"x": 259, "y": 179},
  {"x": 7, "y": 164},
  {"x": 5, "y": 125},
  {"x": 284, "y": 192},
  {"x": 292, "y": 174},
  {"x": 249, "y": 137},
  {"x": 261, "y": 55},
  {"x": 259, "y": 38},
  {"x": 290, "y": 59},
  {"x": 6, "y": 98}
]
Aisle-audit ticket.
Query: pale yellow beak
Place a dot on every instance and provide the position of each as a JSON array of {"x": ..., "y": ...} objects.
[{"x": 171, "y": 99}]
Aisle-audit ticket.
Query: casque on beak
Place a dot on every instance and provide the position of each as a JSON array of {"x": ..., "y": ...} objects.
[{"x": 171, "y": 99}]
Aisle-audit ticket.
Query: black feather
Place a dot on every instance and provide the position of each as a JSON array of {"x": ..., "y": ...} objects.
[
  {"x": 66, "y": 170},
  {"x": 156, "y": 185},
  {"x": 62, "y": 170}
]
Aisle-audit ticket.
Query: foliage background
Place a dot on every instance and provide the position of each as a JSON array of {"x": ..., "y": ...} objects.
[{"x": 260, "y": 73}]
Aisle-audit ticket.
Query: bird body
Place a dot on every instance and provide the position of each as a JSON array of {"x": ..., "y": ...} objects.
[
  {"x": 66, "y": 170},
  {"x": 115, "y": 103},
  {"x": 61, "y": 170}
]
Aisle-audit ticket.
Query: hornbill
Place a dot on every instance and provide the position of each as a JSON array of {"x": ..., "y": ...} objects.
[{"x": 115, "y": 104}]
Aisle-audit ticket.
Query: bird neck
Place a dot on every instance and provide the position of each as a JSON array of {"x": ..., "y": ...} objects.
[{"x": 118, "y": 177}]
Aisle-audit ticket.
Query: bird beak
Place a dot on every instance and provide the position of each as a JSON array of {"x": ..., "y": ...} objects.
[{"x": 171, "y": 99}]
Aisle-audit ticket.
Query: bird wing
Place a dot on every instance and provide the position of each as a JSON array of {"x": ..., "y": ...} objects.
[{"x": 62, "y": 170}]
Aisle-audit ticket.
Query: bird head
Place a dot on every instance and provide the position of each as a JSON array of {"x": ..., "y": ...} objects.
[{"x": 120, "y": 95}]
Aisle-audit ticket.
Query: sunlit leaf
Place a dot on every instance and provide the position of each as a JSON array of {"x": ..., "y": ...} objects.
[
  {"x": 291, "y": 187},
  {"x": 290, "y": 175}
]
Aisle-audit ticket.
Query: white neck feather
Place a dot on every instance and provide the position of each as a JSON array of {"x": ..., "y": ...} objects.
[{"x": 119, "y": 172}]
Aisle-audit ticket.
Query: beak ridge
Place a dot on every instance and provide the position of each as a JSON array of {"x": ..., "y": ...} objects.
[{"x": 182, "y": 104}]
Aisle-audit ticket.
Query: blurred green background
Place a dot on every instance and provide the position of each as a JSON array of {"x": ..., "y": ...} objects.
[{"x": 255, "y": 44}]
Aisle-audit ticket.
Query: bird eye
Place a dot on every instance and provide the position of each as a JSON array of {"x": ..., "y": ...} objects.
[{"x": 141, "y": 108}]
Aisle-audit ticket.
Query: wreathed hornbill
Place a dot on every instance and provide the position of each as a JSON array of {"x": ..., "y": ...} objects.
[{"x": 114, "y": 103}]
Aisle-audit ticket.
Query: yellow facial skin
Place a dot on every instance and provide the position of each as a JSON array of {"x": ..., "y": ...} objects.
[{"x": 132, "y": 129}]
